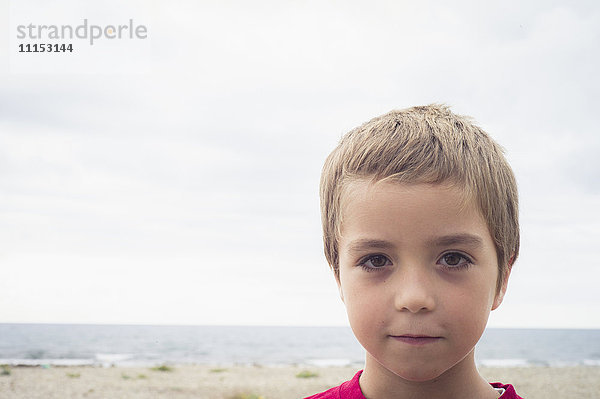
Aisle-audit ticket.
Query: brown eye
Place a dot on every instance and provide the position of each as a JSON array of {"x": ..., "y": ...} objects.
[
  {"x": 378, "y": 261},
  {"x": 455, "y": 261},
  {"x": 375, "y": 262},
  {"x": 452, "y": 259}
]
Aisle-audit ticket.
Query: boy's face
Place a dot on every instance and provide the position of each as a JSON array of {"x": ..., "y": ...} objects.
[{"x": 417, "y": 274}]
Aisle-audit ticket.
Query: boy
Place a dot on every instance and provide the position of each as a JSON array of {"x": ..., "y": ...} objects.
[{"x": 420, "y": 221}]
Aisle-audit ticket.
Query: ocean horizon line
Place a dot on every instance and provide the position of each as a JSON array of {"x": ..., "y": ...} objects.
[{"x": 132, "y": 324}]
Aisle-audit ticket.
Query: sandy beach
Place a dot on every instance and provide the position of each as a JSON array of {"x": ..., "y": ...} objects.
[{"x": 253, "y": 382}]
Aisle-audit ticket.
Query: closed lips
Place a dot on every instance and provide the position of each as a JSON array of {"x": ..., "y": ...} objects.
[
  {"x": 415, "y": 339},
  {"x": 415, "y": 336}
]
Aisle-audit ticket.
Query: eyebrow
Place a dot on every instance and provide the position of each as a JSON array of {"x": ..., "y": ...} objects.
[
  {"x": 366, "y": 243},
  {"x": 454, "y": 239},
  {"x": 467, "y": 239}
]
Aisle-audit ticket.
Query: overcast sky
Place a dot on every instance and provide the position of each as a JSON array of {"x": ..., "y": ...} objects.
[{"x": 174, "y": 179}]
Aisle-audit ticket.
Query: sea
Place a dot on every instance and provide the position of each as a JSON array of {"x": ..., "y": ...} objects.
[{"x": 143, "y": 345}]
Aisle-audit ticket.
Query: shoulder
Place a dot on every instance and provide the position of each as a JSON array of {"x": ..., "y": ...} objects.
[
  {"x": 348, "y": 390},
  {"x": 333, "y": 393},
  {"x": 509, "y": 391}
]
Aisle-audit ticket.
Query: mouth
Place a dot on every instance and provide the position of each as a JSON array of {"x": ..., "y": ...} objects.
[{"x": 416, "y": 340}]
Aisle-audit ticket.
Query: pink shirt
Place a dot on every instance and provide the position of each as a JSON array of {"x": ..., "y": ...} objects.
[{"x": 351, "y": 390}]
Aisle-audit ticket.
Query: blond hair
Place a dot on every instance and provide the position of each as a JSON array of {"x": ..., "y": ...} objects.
[{"x": 427, "y": 144}]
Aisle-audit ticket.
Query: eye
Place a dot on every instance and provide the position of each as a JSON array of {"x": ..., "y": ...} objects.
[
  {"x": 455, "y": 260},
  {"x": 374, "y": 262}
]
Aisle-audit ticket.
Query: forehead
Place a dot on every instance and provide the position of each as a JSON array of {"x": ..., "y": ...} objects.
[{"x": 387, "y": 207}]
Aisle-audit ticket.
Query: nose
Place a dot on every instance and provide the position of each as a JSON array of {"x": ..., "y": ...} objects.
[{"x": 414, "y": 290}]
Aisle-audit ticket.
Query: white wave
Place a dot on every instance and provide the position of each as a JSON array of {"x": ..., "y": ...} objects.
[
  {"x": 113, "y": 357},
  {"x": 329, "y": 362},
  {"x": 49, "y": 362},
  {"x": 109, "y": 359},
  {"x": 504, "y": 363},
  {"x": 591, "y": 362}
]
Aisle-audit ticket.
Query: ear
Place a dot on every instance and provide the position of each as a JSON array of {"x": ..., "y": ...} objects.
[{"x": 500, "y": 295}]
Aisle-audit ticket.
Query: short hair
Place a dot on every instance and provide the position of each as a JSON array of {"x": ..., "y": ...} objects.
[{"x": 425, "y": 144}]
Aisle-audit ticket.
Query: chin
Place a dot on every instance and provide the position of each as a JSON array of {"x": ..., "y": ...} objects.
[
  {"x": 416, "y": 373},
  {"x": 418, "y": 376}
]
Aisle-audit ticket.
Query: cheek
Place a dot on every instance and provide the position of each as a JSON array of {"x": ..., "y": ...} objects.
[
  {"x": 364, "y": 306},
  {"x": 469, "y": 310}
]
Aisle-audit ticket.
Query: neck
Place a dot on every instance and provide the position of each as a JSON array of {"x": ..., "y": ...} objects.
[{"x": 461, "y": 381}]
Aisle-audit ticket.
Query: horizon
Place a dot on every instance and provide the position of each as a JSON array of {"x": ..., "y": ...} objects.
[{"x": 268, "y": 326}]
